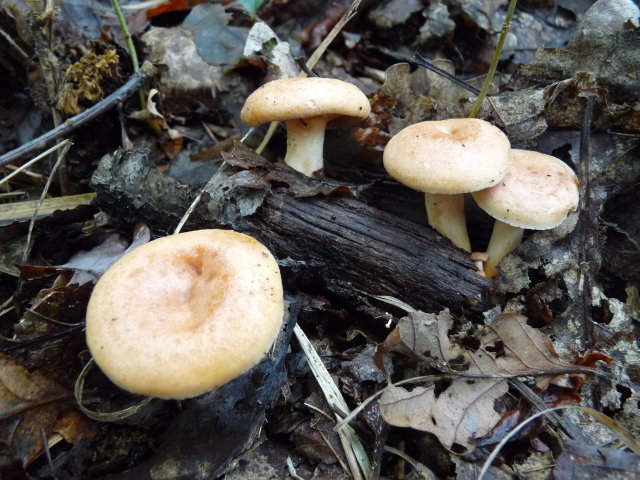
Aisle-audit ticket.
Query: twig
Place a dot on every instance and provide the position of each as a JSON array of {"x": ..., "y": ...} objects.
[
  {"x": 212, "y": 181},
  {"x": 586, "y": 221},
  {"x": 292, "y": 470},
  {"x": 73, "y": 123},
  {"x": 568, "y": 427},
  {"x": 494, "y": 62},
  {"x": 319, "y": 51},
  {"x": 624, "y": 435},
  {"x": 20, "y": 344},
  {"x": 24, "y": 56},
  {"x": 423, "y": 62},
  {"x": 47, "y": 451},
  {"x": 43, "y": 195},
  {"x": 34, "y": 160},
  {"x": 20, "y": 407},
  {"x": 334, "y": 452},
  {"x": 40, "y": 25},
  {"x": 424, "y": 472}
]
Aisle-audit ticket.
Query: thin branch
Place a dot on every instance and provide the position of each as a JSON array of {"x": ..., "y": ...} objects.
[
  {"x": 43, "y": 195},
  {"x": 79, "y": 120},
  {"x": 34, "y": 160},
  {"x": 423, "y": 62}
]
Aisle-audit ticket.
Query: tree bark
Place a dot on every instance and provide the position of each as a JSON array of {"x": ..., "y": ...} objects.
[{"x": 335, "y": 244}]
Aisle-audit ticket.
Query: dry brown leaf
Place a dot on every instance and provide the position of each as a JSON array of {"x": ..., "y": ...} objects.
[
  {"x": 169, "y": 138},
  {"x": 29, "y": 409},
  {"x": 517, "y": 349},
  {"x": 74, "y": 426},
  {"x": 89, "y": 265},
  {"x": 264, "y": 173},
  {"x": 464, "y": 411}
]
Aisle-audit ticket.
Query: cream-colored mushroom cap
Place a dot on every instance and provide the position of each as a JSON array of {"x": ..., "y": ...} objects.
[
  {"x": 184, "y": 314},
  {"x": 294, "y": 98},
  {"x": 453, "y": 156},
  {"x": 537, "y": 192}
]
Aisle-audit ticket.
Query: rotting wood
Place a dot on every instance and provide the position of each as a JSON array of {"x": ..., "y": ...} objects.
[{"x": 336, "y": 244}]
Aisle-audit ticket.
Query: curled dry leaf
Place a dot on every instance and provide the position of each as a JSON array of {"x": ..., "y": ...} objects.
[
  {"x": 169, "y": 138},
  {"x": 264, "y": 173},
  {"x": 463, "y": 411}
]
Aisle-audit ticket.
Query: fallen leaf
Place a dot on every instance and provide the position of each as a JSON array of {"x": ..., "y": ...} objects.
[
  {"x": 463, "y": 411},
  {"x": 185, "y": 79},
  {"x": 170, "y": 139},
  {"x": 30, "y": 408},
  {"x": 262, "y": 39},
  {"x": 89, "y": 265},
  {"x": 217, "y": 42},
  {"x": 279, "y": 174}
]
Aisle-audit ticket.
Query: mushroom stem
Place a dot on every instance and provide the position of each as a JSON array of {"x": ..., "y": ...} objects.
[
  {"x": 504, "y": 239},
  {"x": 445, "y": 213},
  {"x": 305, "y": 143}
]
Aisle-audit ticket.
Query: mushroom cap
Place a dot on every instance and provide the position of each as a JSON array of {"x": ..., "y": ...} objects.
[
  {"x": 294, "y": 98},
  {"x": 537, "y": 192},
  {"x": 184, "y": 314},
  {"x": 452, "y": 156}
]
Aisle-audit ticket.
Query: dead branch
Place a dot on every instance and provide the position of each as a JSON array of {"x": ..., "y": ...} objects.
[{"x": 336, "y": 244}]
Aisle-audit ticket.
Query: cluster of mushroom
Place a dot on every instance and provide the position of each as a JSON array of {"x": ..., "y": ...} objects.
[
  {"x": 519, "y": 188},
  {"x": 444, "y": 159},
  {"x": 208, "y": 304}
]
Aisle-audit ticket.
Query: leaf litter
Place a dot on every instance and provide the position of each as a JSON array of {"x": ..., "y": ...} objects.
[
  {"x": 487, "y": 357},
  {"x": 462, "y": 412}
]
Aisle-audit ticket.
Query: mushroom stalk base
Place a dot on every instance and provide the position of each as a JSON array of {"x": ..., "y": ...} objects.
[
  {"x": 305, "y": 143},
  {"x": 504, "y": 239},
  {"x": 445, "y": 214}
]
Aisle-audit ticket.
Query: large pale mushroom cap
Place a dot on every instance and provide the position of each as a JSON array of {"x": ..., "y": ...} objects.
[
  {"x": 295, "y": 98},
  {"x": 184, "y": 314},
  {"x": 448, "y": 156},
  {"x": 537, "y": 192}
]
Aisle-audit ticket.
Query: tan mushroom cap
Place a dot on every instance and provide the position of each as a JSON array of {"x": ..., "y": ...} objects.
[
  {"x": 453, "y": 156},
  {"x": 184, "y": 314},
  {"x": 537, "y": 192},
  {"x": 294, "y": 98}
]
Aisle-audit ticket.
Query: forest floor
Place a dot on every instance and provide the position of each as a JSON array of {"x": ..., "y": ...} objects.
[{"x": 405, "y": 361}]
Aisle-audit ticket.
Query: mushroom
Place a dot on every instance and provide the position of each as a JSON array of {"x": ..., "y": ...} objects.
[
  {"x": 537, "y": 192},
  {"x": 445, "y": 159},
  {"x": 184, "y": 314},
  {"x": 308, "y": 106}
]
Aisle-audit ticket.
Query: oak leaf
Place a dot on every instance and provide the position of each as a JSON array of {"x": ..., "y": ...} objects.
[{"x": 464, "y": 410}]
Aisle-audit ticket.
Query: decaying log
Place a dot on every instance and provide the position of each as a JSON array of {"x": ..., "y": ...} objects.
[{"x": 330, "y": 243}]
